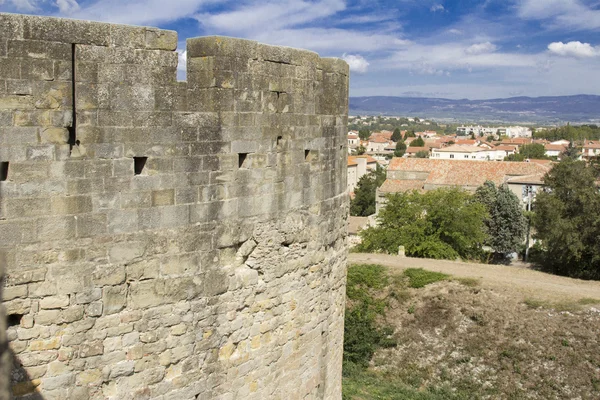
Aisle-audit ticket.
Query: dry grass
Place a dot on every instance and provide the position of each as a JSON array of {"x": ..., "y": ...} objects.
[{"x": 459, "y": 340}]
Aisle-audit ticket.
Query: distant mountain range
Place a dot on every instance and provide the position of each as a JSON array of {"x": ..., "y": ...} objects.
[{"x": 556, "y": 109}]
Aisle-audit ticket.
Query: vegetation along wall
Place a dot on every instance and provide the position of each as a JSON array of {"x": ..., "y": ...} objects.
[{"x": 165, "y": 239}]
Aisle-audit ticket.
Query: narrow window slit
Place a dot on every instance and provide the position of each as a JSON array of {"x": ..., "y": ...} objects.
[
  {"x": 138, "y": 164},
  {"x": 73, "y": 128},
  {"x": 306, "y": 154},
  {"x": 14, "y": 320},
  {"x": 3, "y": 170},
  {"x": 242, "y": 159},
  {"x": 279, "y": 139}
]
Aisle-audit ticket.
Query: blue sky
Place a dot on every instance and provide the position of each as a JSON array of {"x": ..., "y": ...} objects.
[{"x": 432, "y": 48}]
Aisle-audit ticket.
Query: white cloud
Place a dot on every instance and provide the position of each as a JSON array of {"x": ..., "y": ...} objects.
[
  {"x": 574, "y": 49},
  {"x": 67, "y": 6},
  {"x": 455, "y": 31},
  {"x": 480, "y": 48},
  {"x": 271, "y": 15},
  {"x": 139, "y": 12},
  {"x": 437, "y": 7},
  {"x": 330, "y": 40},
  {"x": 182, "y": 56},
  {"x": 356, "y": 62},
  {"x": 571, "y": 14},
  {"x": 24, "y": 5}
]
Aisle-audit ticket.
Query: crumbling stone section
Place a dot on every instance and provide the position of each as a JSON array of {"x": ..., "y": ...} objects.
[{"x": 164, "y": 239}]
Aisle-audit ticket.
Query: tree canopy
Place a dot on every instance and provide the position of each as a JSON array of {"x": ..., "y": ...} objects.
[
  {"x": 364, "y": 134},
  {"x": 441, "y": 224},
  {"x": 396, "y": 135},
  {"x": 418, "y": 142},
  {"x": 400, "y": 149},
  {"x": 506, "y": 224},
  {"x": 567, "y": 221},
  {"x": 363, "y": 203}
]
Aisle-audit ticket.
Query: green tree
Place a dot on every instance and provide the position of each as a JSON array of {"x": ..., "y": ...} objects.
[
  {"x": 418, "y": 142},
  {"x": 534, "y": 150},
  {"x": 491, "y": 138},
  {"x": 514, "y": 157},
  {"x": 396, "y": 135},
  {"x": 506, "y": 224},
  {"x": 422, "y": 154},
  {"x": 571, "y": 152},
  {"x": 567, "y": 221},
  {"x": 364, "y": 134},
  {"x": 400, "y": 149},
  {"x": 363, "y": 203},
  {"x": 441, "y": 224},
  {"x": 360, "y": 150},
  {"x": 410, "y": 133}
]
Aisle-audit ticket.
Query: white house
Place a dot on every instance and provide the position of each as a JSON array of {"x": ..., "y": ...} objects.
[
  {"x": 458, "y": 152},
  {"x": 378, "y": 144},
  {"x": 357, "y": 167},
  {"x": 591, "y": 149},
  {"x": 554, "y": 150}
]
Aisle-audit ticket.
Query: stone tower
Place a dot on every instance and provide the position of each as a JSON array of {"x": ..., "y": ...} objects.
[{"x": 165, "y": 239}]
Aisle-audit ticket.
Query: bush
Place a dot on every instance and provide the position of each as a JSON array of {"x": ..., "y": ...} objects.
[
  {"x": 418, "y": 277},
  {"x": 362, "y": 335},
  {"x": 440, "y": 224}
]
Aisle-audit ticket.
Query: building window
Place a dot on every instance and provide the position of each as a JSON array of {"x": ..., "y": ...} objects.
[
  {"x": 467, "y": 156},
  {"x": 451, "y": 155}
]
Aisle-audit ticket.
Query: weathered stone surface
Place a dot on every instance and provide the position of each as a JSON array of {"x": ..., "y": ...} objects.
[{"x": 184, "y": 246}]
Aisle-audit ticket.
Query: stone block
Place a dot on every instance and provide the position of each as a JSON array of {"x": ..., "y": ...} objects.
[
  {"x": 91, "y": 225},
  {"x": 66, "y": 31},
  {"x": 14, "y": 292},
  {"x": 126, "y": 253},
  {"x": 88, "y": 296},
  {"x": 114, "y": 298},
  {"x": 143, "y": 269},
  {"x": 71, "y": 205},
  {"x": 159, "y": 39},
  {"x": 27, "y": 207},
  {"x": 52, "y": 302},
  {"x": 39, "y": 49},
  {"x": 163, "y": 197},
  {"x": 108, "y": 275}
]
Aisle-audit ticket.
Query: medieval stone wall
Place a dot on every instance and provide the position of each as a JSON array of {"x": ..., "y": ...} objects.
[{"x": 164, "y": 239}]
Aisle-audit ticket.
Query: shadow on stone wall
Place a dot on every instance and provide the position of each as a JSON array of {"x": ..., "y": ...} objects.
[{"x": 22, "y": 386}]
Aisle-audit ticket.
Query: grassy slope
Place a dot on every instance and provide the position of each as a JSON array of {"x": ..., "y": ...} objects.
[{"x": 456, "y": 340}]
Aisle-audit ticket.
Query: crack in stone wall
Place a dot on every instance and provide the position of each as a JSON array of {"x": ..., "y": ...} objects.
[{"x": 190, "y": 276}]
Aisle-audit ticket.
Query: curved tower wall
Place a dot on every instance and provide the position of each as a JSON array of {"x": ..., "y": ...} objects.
[{"x": 166, "y": 239}]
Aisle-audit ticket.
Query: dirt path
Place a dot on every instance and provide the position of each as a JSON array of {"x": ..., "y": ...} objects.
[{"x": 528, "y": 283}]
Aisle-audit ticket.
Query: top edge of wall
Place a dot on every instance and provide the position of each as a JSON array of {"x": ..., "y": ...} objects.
[
  {"x": 65, "y": 30},
  {"x": 225, "y": 46}
]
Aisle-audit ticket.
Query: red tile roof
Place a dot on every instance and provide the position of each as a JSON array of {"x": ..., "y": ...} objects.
[
  {"x": 396, "y": 185},
  {"x": 378, "y": 139},
  {"x": 588, "y": 144},
  {"x": 352, "y": 161},
  {"x": 370, "y": 159},
  {"x": 466, "y": 173},
  {"x": 506, "y": 147},
  {"x": 416, "y": 149},
  {"x": 555, "y": 147}
]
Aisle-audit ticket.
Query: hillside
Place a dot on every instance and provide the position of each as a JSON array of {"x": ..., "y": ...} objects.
[
  {"x": 579, "y": 108},
  {"x": 472, "y": 336}
]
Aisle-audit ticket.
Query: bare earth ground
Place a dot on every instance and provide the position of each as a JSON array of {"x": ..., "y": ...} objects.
[
  {"x": 516, "y": 280},
  {"x": 510, "y": 333}
]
